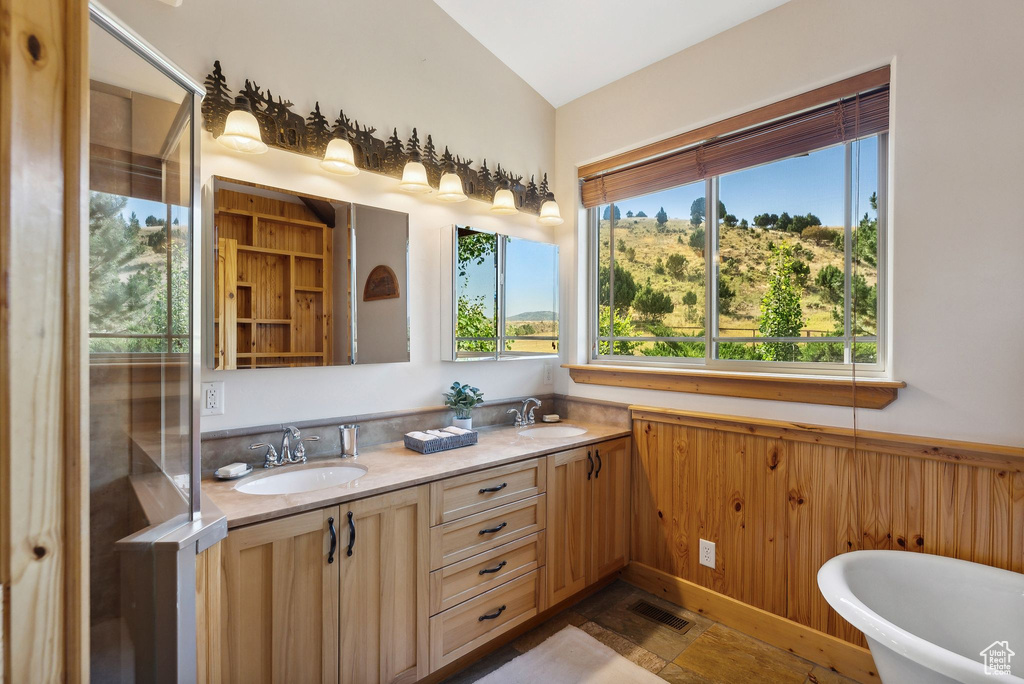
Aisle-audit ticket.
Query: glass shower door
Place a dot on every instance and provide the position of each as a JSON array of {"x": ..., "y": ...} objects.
[{"x": 142, "y": 350}]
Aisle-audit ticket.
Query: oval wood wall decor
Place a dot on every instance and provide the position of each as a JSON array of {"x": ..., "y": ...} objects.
[{"x": 382, "y": 283}]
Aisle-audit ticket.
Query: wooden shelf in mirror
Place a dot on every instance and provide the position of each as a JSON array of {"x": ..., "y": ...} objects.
[{"x": 273, "y": 279}]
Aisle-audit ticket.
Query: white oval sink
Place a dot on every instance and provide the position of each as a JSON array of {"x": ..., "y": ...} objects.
[
  {"x": 298, "y": 481},
  {"x": 553, "y": 432}
]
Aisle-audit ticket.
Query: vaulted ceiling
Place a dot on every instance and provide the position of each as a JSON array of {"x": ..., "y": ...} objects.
[{"x": 567, "y": 48}]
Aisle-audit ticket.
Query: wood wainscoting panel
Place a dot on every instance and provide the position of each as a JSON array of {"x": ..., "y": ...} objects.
[{"x": 780, "y": 499}]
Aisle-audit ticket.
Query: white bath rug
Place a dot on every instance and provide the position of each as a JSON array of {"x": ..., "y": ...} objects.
[{"x": 571, "y": 657}]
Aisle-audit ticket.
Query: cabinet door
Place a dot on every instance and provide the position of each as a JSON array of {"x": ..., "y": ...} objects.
[
  {"x": 569, "y": 474},
  {"x": 384, "y": 594},
  {"x": 281, "y": 601},
  {"x": 610, "y": 508}
]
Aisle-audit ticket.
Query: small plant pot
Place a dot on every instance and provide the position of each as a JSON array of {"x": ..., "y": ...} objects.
[{"x": 464, "y": 423}]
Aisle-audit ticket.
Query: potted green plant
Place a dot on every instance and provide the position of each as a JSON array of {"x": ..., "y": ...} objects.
[{"x": 461, "y": 399}]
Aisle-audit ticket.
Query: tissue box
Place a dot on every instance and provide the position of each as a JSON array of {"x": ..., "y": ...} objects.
[{"x": 432, "y": 446}]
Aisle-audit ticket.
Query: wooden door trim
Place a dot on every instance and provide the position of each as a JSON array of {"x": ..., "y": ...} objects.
[{"x": 44, "y": 514}]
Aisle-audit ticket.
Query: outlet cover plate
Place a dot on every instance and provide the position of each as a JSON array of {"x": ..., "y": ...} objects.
[
  {"x": 212, "y": 399},
  {"x": 707, "y": 553}
]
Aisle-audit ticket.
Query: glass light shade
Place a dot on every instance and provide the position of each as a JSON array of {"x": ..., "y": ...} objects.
[
  {"x": 414, "y": 178},
  {"x": 450, "y": 189},
  {"x": 242, "y": 133},
  {"x": 340, "y": 158},
  {"x": 504, "y": 202},
  {"x": 549, "y": 214}
]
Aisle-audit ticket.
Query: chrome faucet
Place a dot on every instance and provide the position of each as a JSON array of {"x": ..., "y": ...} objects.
[
  {"x": 272, "y": 459},
  {"x": 298, "y": 453},
  {"x": 519, "y": 417},
  {"x": 528, "y": 418},
  {"x": 288, "y": 454},
  {"x": 525, "y": 416}
]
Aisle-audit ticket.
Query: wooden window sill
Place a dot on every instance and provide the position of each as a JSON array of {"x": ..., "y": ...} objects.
[{"x": 862, "y": 392}]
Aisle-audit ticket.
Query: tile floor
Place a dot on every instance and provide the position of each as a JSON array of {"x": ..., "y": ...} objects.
[{"x": 709, "y": 653}]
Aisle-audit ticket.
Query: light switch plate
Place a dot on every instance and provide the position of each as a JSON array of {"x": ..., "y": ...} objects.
[
  {"x": 211, "y": 401},
  {"x": 707, "y": 553},
  {"x": 549, "y": 374}
]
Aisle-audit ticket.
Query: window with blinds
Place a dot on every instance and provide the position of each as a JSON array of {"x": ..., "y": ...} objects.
[{"x": 756, "y": 243}]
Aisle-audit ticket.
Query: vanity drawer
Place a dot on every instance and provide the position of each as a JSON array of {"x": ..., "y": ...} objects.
[
  {"x": 460, "y": 539},
  {"x": 459, "y": 630},
  {"x": 464, "y": 495},
  {"x": 461, "y": 581}
]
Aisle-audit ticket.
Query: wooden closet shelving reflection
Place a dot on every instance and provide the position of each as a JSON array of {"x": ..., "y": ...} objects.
[{"x": 273, "y": 304}]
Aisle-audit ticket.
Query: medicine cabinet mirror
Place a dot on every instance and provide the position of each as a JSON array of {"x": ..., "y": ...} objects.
[
  {"x": 499, "y": 296},
  {"x": 306, "y": 281}
]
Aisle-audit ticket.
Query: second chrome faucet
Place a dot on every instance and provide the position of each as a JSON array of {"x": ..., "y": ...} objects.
[
  {"x": 288, "y": 453},
  {"x": 525, "y": 416}
]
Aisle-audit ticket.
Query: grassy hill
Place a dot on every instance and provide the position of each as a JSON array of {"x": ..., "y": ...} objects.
[{"x": 640, "y": 246}]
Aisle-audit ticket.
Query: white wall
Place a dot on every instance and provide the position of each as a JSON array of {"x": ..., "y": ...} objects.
[
  {"x": 956, "y": 190},
  {"x": 400, "y": 63}
]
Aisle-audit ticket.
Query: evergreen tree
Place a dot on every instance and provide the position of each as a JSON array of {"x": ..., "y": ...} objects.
[
  {"x": 662, "y": 217},
  {"x": 118, "y": 286},
  {"x": 429, "y": 153},
  {"x": 218, "y": 101},
  {"x": 412, "y": 148},
  {"x": 625, "y": 288},
  {"x": 641, "y": 214},
  {"x": 629, "y": 214},
  {"x": 317, "y": 132},
  {"x": 781, "y": 315},
  {"x": 608, "y": 213},
  {"x": 653, "y": 305},
  {"x": 697, "y": 211},
  {"x": 543, "y": 190}
]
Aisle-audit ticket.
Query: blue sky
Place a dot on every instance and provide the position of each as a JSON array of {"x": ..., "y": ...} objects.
[
  {"x": 529, "y": 281},
  {"x": 812, "y": 183}
]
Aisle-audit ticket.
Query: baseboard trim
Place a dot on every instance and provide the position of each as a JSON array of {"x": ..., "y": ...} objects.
[{"x": 845, "y": 658}]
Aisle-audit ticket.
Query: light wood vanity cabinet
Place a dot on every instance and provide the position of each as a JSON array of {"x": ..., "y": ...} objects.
[
  {"x": 609, "y": 506},
  {"x": 383, "y": 634},
  {"x": 292, "y": 612},
  {"x": 280, "y": 602},
  {"x": 435, "y": 571},
  {"x": 588, "y": 518}
]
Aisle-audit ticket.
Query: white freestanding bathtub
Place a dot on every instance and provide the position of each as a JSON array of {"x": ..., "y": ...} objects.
[{"x": 930, "y": 619}]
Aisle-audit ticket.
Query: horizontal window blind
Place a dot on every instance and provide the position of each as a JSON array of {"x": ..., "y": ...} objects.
[{"x": 859, "y": 116}]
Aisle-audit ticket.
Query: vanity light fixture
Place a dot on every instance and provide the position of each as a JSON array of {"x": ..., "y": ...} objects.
[
  {"x": 504, "y": 202},
  {"x": 450, "y": 188},
  {"x": 414, "y": 176},
  {"x": 340, "y": 158},
  {"x": 242, "y": 130},
  {"x": 549, "y": 214}
]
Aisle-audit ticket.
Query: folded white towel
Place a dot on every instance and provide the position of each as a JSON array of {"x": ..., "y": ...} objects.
[
  {"x": 438, "y": 433},
  {"x": 422, "y": 436},
  {"x": 456, "y": 430}
]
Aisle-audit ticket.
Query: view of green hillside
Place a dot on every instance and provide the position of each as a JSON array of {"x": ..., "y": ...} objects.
[{"x": 781, "y": 276}]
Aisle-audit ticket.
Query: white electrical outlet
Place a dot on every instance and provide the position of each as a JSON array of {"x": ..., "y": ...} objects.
[
  {"x": 707, "y": 553},
  {"x": 212, "y": 399},
  {"x": 549, "y": 374}
]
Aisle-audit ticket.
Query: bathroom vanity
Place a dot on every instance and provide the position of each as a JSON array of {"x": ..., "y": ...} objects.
[{"x": 417, "y": 563}]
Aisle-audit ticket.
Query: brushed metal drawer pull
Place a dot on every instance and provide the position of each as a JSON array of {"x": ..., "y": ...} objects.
[
  {"x": 489, "y": 490},
  {"x": 487, "y": 571},
  {"x": 492, "y": 530},
  {"x": 491, "y": 616}
]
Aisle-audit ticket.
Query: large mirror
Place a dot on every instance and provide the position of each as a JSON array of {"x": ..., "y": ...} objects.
[
  {"x": 499, "y": 296},
  {"x": 301, "y": 280}
]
